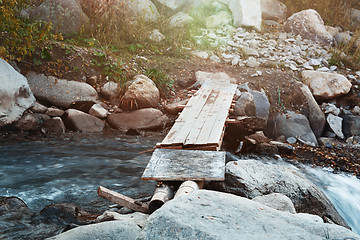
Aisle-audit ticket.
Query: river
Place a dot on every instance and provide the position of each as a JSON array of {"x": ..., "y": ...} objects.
[{"x": 70, "y": 168}]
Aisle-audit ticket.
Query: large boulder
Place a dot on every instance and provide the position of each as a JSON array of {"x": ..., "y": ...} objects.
[
  {"x": 309, "y": 24},
  {"x": 110, "y": 90},
  {"x": 212, "y": 215},
  {"x": 273, "y": 10},
  {"x": 143, "y": 119},
  {"x": 141, "y": 93},
  {"x": 60, "y": 92},
  {"x": 66, "y": 16},
  {"x": 312, "y": 110},
  {"x": 326, "y": 85},
  {"x": 292, "y": 124},
  {"x": 15, "y": 94},
  {"x": 31, "y": 122},
  {"x": 253, "y": 178},
  {"x": 245, "y": 13},
  {"x": 105, "y": 230},
  {"x": 83, "y": 122}
]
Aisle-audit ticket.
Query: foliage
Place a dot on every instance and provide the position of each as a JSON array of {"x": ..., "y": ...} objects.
[
  {"x": 163, "y": 82},
  {"x": 20, "y": 36}
]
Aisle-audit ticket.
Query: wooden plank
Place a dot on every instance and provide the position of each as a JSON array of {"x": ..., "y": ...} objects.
[
  {"x": 182, "y": 165},
  {"x": 211, "y": 121},
  {"x": 223, "y": 113},
  {"x": 122, "y": 200},
  {"x": 200, "y": 121}
]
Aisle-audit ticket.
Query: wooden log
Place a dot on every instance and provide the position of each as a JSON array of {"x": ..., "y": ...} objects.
[
  {"x": 122, "y": 200},
  {"x": 163, "y": 193},
  {"x": 186, "y": 188}
]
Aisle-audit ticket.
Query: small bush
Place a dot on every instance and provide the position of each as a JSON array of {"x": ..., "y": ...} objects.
[{"x": 19, "y": 36}]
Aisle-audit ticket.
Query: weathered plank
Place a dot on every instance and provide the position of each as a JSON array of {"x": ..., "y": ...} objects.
[
  {"x": 122, "y": 200},
  {"x": 182, "y": 165}
]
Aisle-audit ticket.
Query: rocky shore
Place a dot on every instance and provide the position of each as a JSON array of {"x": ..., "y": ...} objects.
[{"x": 292, "y": 100}]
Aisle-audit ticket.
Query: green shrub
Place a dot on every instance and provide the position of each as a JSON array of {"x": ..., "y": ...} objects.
[
  {"x": 163, "y": 82},
  {"x": 20, "y": 36}
]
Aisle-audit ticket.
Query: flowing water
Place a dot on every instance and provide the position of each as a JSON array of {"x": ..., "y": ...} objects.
[
  {"x": 343, "y": 191},
  {"x": 69, "y": 169}
]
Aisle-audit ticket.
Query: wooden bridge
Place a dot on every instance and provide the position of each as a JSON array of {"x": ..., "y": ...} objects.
[{"x": 190, "y": 151}]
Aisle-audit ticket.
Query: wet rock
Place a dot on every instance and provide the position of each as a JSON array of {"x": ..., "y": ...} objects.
[
  {"x": 351, "y": 125},
  {"x": 143, "y": 119},
  {"x": 54, "y": 125},
  {"x": 207, "y": 214},
  {"x": 31, "y": 122},
  {"x": 260, "y": 144},
  {"x": 335, "y": 124},
  {"x": 309, "y": 25},
  {"x": 105, "y": 230},
  {"x": 172, "y": 108},
  {"x": 273, "y": 10},
  {"x": 326, "y": 85},
  {"x": 67, "y": 213},
  {"x": 252, "y": 178},
  {"x": 98, "y": 111},
  {"x": 79, "y": 121},
  {"x": 245, "y": 13},
  {"x": 180, "y": 20},
  {"x": 291, "y": 124},
  {"x": 141, "y": 93},
  {"x": 13, "y": 204},
  {"x": 38, "y": 108},
  {"x": 54, "y": 112},
  {"x": 109, "y": 90},
  {"x": 277, "y": 201},
  {"x": 59, "y": 92},
  {"x": 66, "y": 16},
  {"x": 15, "y": 94}
]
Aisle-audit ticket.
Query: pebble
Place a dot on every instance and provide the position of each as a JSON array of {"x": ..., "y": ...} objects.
[{"x": 291, "y": 140}]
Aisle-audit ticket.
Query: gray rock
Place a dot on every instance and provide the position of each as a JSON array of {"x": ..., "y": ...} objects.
[
  {"x": 335, "y": 123},
  {"x": 273, "y": 10},
  {"x": 38, "y": 108},
  {"x": 356, "y": 110},
  {"x": 252, "y": 178},
  {"x": 291, "y": 124},
  {"x": 105, "y": 231},
  {"x": 15, "y": 94},
  {"x": 291, "y": 140},
  {"x": 66, "y": 16},
  {"x": 177, "y": 4},
  {"x": 201, "y": 77},
  {"x": 143, "y": 119},
  {"x": 54, "y": 125},
  {"x": 83, "y": 122},
  {"x": 355, "y": 17},
  {"x": 212, "y": 215},
  {"x": 110, "y": 90},
  {"x": 309, "y": 25},
  {"x": 143, "y": 9},
  {"x": 141, "y": 93},
  {"x": 98, "y": 111},
  {"x": 245, "y": 105},
  {"x": 326, "y": 85},
  {"x": 201, "y": 54},
  {"x": 351, "y": 125},
  {"x": 137, "y": 218},
  {"x": 330, "y": 108},
  {"x": 342, "y": 38},
  {"x": 313, "y": 112},
  {"x": 156, "y": 36},
  {"x": 180, "y": 20},
  {"x": 277, "y": 201},
  {"x": 252, "y": 63},
  {"x": 54, "y": 112},
  {"x": 172, "y": 108},
  {"x": 59, "y": 92},
  {"x": 31, "y": 122}
]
